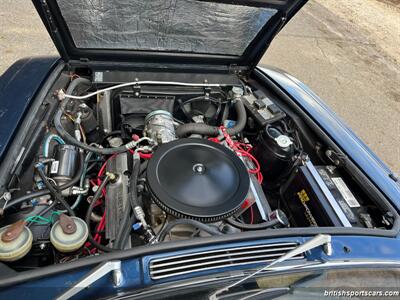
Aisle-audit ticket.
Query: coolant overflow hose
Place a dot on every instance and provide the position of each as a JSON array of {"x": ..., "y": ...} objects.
[{"x": 198, "y": 128}]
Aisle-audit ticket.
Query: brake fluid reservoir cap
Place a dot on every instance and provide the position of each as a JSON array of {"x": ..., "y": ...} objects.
[
  {"x": 68, "y": 234},
  {"x": 15, "y": 241}
]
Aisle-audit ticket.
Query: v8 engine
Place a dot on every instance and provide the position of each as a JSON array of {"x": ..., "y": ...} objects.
[{"x": 146, "y": 162}]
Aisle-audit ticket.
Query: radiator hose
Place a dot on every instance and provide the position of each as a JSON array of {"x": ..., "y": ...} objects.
[{"x": 199, "y": 128}]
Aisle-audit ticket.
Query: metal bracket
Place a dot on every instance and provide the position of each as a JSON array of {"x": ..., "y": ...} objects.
[
  {"x": 207, "y": 91},
  {"x": 328, "y": 248},
  {"x": 136, "y": 89},
  {"x": 336, "y": 158},
  {"x": 94, "y": 275},
  {"x": 236, "y": 69}
]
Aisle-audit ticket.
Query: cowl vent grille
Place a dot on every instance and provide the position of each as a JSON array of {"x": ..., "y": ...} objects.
[{"x": 167, "y": 267}]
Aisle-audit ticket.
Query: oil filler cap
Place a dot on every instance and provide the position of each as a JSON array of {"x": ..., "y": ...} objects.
[{"x": 197, "y": 179}]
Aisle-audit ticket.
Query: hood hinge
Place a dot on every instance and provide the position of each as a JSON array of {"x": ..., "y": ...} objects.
[
  {"x": 238, "y": 70},
  {"x": 337, "y": 159}
]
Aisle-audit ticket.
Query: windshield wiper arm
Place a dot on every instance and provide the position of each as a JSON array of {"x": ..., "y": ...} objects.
[
  {"x": 319, "y": 240},
  {"x": 100, "y": 271}
]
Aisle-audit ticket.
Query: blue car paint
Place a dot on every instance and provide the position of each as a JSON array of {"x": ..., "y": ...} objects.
[
  {"x": 343, "y": 136},
  {"x": 18, "y": 86},
  {"x": 136, "y": 274},
  {"x": 52, "y": 286}
]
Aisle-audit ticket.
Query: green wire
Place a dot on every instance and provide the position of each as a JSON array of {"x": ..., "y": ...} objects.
[
  {"x": 38, "y": 220},
  {"x": 42, "y": 220},
  {"x": 55, "y": 213}
]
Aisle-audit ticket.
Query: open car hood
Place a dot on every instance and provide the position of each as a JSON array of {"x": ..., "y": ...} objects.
[{"x": 229, "y": 33}]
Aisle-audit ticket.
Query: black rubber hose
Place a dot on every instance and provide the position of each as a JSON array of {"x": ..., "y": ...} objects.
[
  {"x": 44, "y": 192},
  {"x": 225, "y": 113},
  {"x": 260, "y": 226},
  {"x": 133, "y": 195},
  {"x": 57, "y": 196},
  {"x": 163, "y": 233},
  {"x": 88, "y": 213},
  {"x": 126, "y": 232},
  {"x": 143, "y": 167},
  {"x": 204, "y": 129},
  {"x": 118, "y": 243},
  {"x": 65, "y": 134},
  {"x": 115, "y": 132},
  {"x": 77, "y": 82},
  {"x": 127, "y": 226}
]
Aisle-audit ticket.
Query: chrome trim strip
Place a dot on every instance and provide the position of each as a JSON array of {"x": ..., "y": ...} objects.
[
  {"x": 215, "y": 267},
  {"x": 213, "y": 262},
  {"x": 227, "y": 249},
  {"x": 171, "y": 266},
  {"x": 207, "y": 257}
]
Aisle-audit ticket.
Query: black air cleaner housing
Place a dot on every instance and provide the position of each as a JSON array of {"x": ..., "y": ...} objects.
[{"x": 197, "y": 179}]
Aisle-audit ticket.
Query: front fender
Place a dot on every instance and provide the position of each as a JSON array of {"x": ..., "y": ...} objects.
[
  {"x": 18, "y": 86},
  {"x": 365, "y": 159}
]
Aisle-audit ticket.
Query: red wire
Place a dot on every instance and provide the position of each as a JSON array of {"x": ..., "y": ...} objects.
[
  {"x": 103, "y": 167},
  {"x": 251, "y": 215},
  {"x": 101, "y": 225},
  {"x": 145, "y": 155},
  {"x": 241, "y": 149},
  {"x": 100, "y": 228},
  {"x": 101, "y": 172},
  {"x": 253, "y": 159},
  {"x": 142, "y": 155},
  {"x": 245, "y": 153}
]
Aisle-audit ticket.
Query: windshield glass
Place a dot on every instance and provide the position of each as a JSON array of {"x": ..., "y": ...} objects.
[
  {"x": 355, "y": 282},
  {"x": 163, "y": 25}
]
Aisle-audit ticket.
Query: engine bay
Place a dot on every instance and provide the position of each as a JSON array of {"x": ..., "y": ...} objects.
[{"x": 123, "y": 162}]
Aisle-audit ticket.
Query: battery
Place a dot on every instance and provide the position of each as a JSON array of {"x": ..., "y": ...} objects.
[{"x": 318, "y": 196}]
